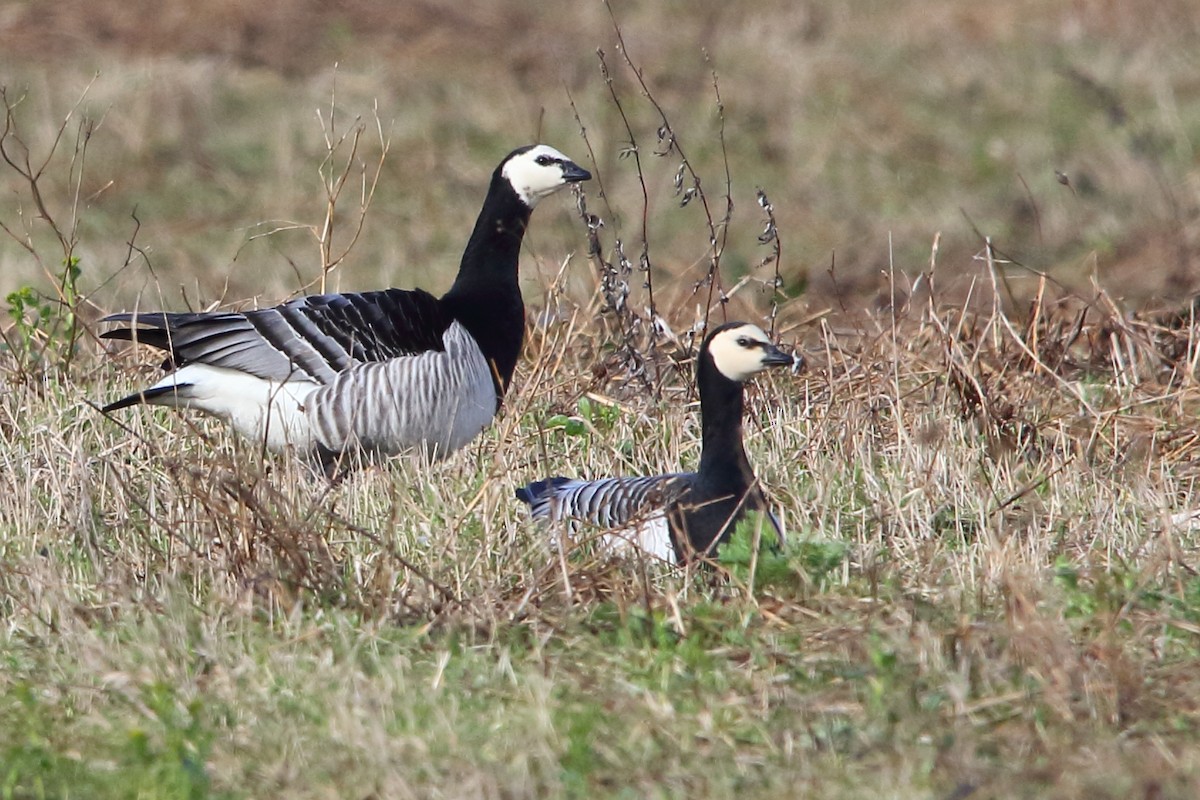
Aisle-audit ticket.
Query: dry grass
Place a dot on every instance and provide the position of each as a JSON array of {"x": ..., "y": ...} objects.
[
  {"x": 991, "y": 586},
  {"x": 1016, "y": 612}
]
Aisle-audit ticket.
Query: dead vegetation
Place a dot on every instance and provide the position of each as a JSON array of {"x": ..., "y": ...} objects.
[{"x": 992, "y": 516}]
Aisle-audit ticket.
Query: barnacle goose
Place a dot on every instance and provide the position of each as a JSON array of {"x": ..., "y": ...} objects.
[
  {"x": 685, "y": 514},
  {"x": 371, "y": 372}
]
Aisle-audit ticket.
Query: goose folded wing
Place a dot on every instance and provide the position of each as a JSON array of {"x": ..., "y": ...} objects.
[
  {"x": 315, "y": 337},
  {"x": 605, "y": 503}
]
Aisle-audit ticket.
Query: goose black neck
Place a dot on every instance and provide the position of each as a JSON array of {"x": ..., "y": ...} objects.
[
  {"x": 485, "y": 297},
  {"x": 723, "y": 462}
]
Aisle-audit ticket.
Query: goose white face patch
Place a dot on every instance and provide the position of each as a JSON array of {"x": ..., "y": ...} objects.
[
  {"x": 536, "y": 173},
  {"x": 739, "y": 353}
]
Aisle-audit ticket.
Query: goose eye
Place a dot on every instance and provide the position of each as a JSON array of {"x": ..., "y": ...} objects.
[
  {"x": 745, "y": 341},
  {"x": 544, "y": 161}
]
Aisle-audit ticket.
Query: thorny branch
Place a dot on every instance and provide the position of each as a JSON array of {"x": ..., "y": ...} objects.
[
  {"x": 631, "y": 150},
  {"x": 668, "y": 142},
  {"x": 770, "y": 236}
]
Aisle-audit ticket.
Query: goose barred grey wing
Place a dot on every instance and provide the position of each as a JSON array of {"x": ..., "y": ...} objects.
[
  {"x": 313, "y": 337},
  {"x": 607, "y": 502},
  {"x": 441, "y": 397},
  {"x": 633, "y": 510}
]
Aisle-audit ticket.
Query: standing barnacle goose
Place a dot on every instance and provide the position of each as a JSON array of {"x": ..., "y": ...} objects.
[
  {"x": 686, "y": 513},
  {"x": 372, "y": 372}
]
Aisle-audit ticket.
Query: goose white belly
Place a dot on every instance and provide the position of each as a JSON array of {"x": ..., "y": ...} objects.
[
  {"x": 651, "y": 535},
  {"x": 270, "y": 412}
]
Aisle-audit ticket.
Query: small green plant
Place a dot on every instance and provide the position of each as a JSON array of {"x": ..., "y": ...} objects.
[
  {"x": 29, "y": 312},
  {"x": 46, "y": 332},
  {"x": 807, "y": 560},
  {"x": 880, "y": 684},
  {"x": 580, "y": 761},
  {"x": 173, "y": 760},
  {"x": 591, "y": 416},
  {"x": 571, "y": 426},
  {"x": 1081, "y": 601}
]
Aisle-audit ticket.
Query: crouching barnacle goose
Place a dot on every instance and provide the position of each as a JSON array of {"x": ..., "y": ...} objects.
[
  {"x": 371, "y": 372},
  {"x": 686, "y": 514}
]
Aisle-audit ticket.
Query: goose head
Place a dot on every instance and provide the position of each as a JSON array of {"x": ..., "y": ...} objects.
[
  {"x": 739, "y": 351},
  {"x": 538, "y": 170}
]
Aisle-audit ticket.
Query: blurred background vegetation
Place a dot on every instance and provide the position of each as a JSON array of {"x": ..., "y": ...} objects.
[{"x": 1066, "y": 131}]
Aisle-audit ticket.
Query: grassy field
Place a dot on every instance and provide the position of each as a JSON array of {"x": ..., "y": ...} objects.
[{"x": 990, "y": 589}]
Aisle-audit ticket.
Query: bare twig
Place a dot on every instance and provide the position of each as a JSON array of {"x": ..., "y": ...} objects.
[{"x": 668, "y": 142}]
